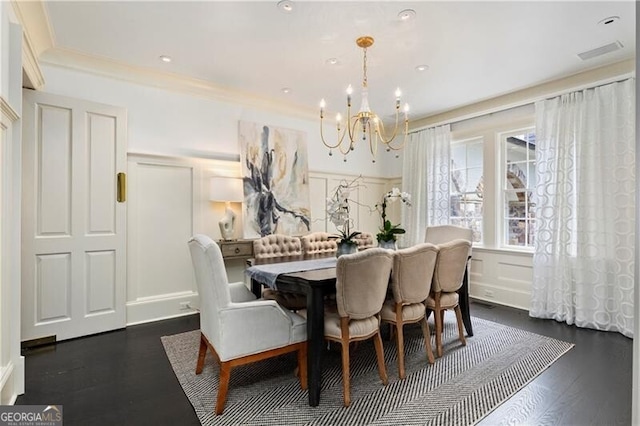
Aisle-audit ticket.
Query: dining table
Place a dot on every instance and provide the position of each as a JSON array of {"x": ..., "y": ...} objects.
[{"x": 316, "y": 284}]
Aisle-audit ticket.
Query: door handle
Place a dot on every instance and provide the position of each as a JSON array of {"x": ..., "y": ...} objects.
[{"x": 122, "y": 187}]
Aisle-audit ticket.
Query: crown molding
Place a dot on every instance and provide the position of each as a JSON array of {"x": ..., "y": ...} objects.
[
  {"x": 35, "y": 23},
  {"x": 30, "y": 65},
  {"x": 590, "y": 78},
  {"x": 7, "y": 110},
  {"x": 105, "y": 67},
  {"x": 37, "y": 37}
]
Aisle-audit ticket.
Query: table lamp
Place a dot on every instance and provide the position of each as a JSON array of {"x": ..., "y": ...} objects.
[{"x": 227, "y": 190}]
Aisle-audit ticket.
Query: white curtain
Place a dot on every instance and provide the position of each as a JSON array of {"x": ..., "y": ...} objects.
[
  {"x": 583, "y": 266},
  {"x": 425, "y": 175}
]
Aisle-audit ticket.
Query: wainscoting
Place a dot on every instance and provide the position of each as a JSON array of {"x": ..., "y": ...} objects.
[{"x": 501, "y": 276}]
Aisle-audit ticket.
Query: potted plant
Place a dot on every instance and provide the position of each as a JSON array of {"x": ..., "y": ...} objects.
[
  {"x": 387, "y": 235},
  {"x": 338, "y": 210}
]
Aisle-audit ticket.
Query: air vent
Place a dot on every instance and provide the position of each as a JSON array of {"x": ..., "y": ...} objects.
[{"x": 611, "y": 47}]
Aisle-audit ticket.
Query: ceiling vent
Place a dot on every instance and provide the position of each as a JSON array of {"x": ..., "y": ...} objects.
[{"x": 611, "y": 47}]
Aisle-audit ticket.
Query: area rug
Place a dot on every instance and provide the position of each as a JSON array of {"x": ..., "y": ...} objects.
[{"x": 461, "y": 388}]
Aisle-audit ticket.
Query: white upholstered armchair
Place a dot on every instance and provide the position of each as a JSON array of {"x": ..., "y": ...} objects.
[{"x": 237, "y": 328}]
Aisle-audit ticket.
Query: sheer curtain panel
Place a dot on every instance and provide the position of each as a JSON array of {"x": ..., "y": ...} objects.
[
  {"x": 425, "y": 175},
  {"x": 583, "y": 266}
]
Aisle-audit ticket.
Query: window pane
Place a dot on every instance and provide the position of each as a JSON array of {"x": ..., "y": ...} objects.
[
  {"x": 516, "y": 149},
  {"x": 459, "y": 181},
  {"x": 517, "y": 175},
  {"x": 474, "y": 154},
  {"x": 466, "y": 196},
  {"x": 458, "y": 156},
  {"x": 516, "y": 232},
  {"x": 474, "y": 179}
]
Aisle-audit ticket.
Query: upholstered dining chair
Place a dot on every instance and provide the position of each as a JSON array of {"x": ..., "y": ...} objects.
[
  {"x": 276, "y": 245},
  {"x": 361, "y": 286},
  {"x": 235, "y": 327},
  {"x": 411, "y": 277},
  {"x": 447, "y": 279},
  {"x": 445, "y": 233},
  {"x": 365, "y": 240},
  {"x": 318, "y": 243}
]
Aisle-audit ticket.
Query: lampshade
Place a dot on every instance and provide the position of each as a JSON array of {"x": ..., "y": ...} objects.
[{"x": 225, "y": 189}]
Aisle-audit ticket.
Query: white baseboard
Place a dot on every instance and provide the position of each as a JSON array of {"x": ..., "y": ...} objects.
[
  {"x": 11, "y": 381},
  {"x": 161, "y": 307}
]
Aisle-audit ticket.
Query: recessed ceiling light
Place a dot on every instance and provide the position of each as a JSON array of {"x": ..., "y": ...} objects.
[
  {"x": 285, "y": 6},
  {"x": 165, "y": 58},
  {"x": 332, "y": 61},
  {"x": 286, "y": 90},
  {"x": 407, "y": 14},
  {"x": 609, "y": 21},
  {"x": 422, "y": 68}
]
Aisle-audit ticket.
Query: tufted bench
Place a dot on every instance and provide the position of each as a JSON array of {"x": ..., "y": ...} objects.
[
  {"x": 276, "y": 245},
  {"x": 365, "y": 240},
  {"x": 318, "y": 242}
]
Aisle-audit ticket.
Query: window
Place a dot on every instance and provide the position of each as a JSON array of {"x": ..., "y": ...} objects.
[
  {"x": 467, "y": 185},
  {"x": 518, "y": 187}
]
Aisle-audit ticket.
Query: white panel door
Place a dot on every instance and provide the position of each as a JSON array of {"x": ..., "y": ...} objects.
[{"x": 73, "y": 228}]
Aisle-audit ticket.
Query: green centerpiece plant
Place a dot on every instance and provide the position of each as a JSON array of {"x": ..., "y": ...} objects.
[
  {"x": 388, "y": 232},
  {"x": 338, "y": 212}
]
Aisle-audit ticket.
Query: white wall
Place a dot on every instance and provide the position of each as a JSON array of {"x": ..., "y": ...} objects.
[{"x": 11, "y": 363}]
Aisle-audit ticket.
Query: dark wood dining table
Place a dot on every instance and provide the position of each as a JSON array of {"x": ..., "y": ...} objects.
[{"x": 316, "y": 284}]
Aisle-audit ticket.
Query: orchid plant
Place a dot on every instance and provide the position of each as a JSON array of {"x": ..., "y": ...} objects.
[
  {"x": 338, "y": 210},
  {"x": 388, "y": 231}
]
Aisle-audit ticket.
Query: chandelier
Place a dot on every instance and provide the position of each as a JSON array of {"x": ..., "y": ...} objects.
[{"x": 366, "y": 125}]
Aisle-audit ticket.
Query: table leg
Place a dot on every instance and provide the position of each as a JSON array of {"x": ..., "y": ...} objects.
[
  {"x": 464, "y": 303},
  {"x": 315, "y": 338},
  {"x": 256, "y": 288}
]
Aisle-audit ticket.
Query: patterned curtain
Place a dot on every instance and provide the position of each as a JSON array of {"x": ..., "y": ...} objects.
[
  {"x": 583, "y": 266},
  {"x": 426, "y": 176}
]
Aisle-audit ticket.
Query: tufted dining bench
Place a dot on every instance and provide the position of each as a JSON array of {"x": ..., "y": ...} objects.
[
  {"x": 318, "y": 243},
  {"x": 277, "y": 245}
]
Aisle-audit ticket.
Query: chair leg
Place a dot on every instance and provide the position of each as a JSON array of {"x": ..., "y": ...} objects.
[
  {"x": 346, "y": 383},
  {"x": 438, "y": 317},
  {"x": 400, "y": 340},
  {"x": 201, "y": 354},
  {"x": 382, "y": 370},
  {"x": 460, "y": 325},
  {"x": 302, "y": 366},
  {"x": 223, "y": 387},
  {"x": 427, "y": 340}
]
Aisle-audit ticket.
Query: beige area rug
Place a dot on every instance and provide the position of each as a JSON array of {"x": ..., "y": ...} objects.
[{"x": 459, "y": 389}]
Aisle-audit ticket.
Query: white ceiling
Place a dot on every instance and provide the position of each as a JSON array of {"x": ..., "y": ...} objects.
[{"x": 474, "y": 50}]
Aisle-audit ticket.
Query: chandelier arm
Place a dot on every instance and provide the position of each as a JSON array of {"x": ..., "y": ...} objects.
[
  {"x": 383, "y": 136},
  {"x": 340, "y": 137},
  {"x": 372, "y": 139},
  {"x": 404, "y": 139}
]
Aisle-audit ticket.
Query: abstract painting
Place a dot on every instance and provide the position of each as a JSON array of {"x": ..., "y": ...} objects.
[{"x": 275, "y": 174}]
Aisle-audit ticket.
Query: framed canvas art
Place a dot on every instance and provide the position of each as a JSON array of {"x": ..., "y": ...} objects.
[{"x": 275, "y": 175}]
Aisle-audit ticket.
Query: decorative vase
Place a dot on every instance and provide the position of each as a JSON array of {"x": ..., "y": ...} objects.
[
  {"x": 346, "y": 247},
  {"x": 390, "y": 245}
]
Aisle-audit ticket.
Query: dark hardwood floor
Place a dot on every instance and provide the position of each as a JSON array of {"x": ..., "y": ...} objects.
[{"x": 124, "y": 378}]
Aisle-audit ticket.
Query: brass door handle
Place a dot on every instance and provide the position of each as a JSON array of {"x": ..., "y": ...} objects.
[{"x": 122, "y": 187}]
